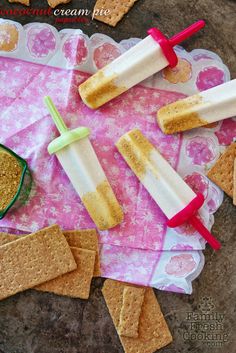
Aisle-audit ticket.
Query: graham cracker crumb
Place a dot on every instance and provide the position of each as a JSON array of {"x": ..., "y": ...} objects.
[{"x": 10, "y": 176}]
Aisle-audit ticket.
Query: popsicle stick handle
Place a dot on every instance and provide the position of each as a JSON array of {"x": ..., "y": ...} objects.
[
  {"x": 197, "y": 224},
  {"x": 187, "y": 32},
  {"x": 56, "y": 116}
]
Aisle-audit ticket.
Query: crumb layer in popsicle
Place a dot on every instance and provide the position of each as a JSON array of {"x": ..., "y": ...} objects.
[
  {"x": 101, "y": 88},
  {"x": 210, "y": 106},
  {"x": 175, "y": 198},
  {"x": 103, "y": 199}
]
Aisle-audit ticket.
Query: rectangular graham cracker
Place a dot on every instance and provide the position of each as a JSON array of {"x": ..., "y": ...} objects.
[
  {"x": 222, "y": 172},
  {"x": 117, "y": 9},
  {"x": 130, "y": 311},
  {"x": 34, "y": 259},
  {"x": 153, "y": 330},
  {"x": 75, "y": 284},
  {"x": 85, "y": 239},
  {"x": 234, "y": 183},
  {"x": 55, "y": 3},
  {"x": 23, "y": 2},
  {"x": 8, "y": 238}
]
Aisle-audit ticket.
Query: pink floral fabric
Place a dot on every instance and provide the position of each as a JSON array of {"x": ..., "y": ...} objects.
[
  {"x": 35, "y": 128},
  {"x": 142, "y": 249}
]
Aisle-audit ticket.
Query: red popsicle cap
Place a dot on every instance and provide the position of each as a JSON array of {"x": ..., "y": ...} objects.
[
  {"x": 167, "y": 45},
  {"x": 188, "y": 214}
]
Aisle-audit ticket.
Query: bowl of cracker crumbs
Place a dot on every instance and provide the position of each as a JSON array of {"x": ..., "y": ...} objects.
[{"x": 15, "y": 181}]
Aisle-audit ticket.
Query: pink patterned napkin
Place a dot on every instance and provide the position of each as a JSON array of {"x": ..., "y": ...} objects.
[{"x": 141, "y": 250}]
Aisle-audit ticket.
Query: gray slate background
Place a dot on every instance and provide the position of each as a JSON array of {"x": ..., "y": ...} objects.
[{"x": 33, "y": 322}]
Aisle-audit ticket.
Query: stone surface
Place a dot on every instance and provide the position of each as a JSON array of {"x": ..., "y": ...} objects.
[{"x": 33, "y": 322}]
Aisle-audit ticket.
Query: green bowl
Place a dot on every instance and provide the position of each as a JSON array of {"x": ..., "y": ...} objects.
[{"x": 24, "y": 187}]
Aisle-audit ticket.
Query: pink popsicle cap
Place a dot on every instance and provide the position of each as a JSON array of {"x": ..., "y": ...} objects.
[
  {"x": 167, "y": 45},
  {"x": 188, "y": 214}
]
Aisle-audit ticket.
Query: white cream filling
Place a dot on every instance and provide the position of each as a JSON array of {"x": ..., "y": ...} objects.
[
  {"x": 166, "y": 187},
  {"x": 218, "y": 102},
  {"x": 81, "y": 165},
  {"x": 138, "y": 63}
]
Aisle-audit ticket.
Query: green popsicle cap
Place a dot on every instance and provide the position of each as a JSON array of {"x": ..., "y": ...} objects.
[{"x": 67, "y": 136}]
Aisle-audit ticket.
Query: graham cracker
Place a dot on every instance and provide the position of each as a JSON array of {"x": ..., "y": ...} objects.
[
  {"x": 234, "y": 184},
  {"x": 75, "y": 284},
  {"x": 6, "y": 238},
  {"x": 54, "y": 3},
  {"x": 130, "y": 311},
  {"x": 117, "y": 10},
  {"x": 222, "y": 172},
  {"x": 34, "y": 259},
  {"x": 153, "y": 330},
  {"x": 23, "y": 2},
  {"x": 85, "y": 239}
]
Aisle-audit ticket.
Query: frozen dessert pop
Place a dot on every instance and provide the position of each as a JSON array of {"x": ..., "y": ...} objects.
[
  {"x": 77, "y": 157},
  {"x": 146, "y": 58},
  {"x": 175, "y": 198},
  {"x": 207, "y": 107}
]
